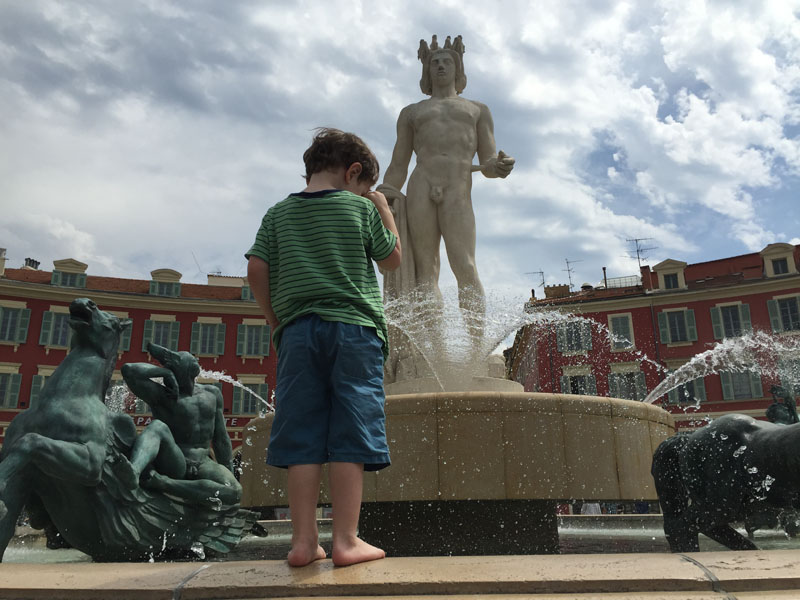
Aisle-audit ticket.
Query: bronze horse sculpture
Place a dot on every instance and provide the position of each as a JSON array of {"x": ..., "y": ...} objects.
[
  {"x": 729, "y": 471},
  {"x": 66, "y": 457}
]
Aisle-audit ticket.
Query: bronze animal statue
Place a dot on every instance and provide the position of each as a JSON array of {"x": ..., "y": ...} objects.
[
  {"x": 729, "y": 471},
  {"x": 66, "y": 459}
]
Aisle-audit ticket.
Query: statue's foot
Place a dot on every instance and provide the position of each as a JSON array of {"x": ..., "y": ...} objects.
[
  {"x": 152, "y": 479},
  {"x": 127, "y": 475}
]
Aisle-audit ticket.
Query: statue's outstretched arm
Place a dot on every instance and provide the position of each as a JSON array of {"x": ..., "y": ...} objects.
[
  {"x": 221, "y": 442},
  {"x": 493, "y": 163},
  {"x": 138, "y": 377}
]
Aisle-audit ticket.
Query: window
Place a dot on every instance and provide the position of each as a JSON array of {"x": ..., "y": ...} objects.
[
  {"x": 628, "y": 385},
  {"x": 789, "y": 373},
  {"x": 165, "y": 288},
  {"x": 55, "y": 330},
  {"x": 583, "y": 385},
  {"x": 730, "y": 321},
  {"x": 37, "y": 384},
  {"x": 575, "y": 336},
  {"x": 245, "y": 403},
  {"x": 780, "y": 266},
  {"x": 162, "y": 333},
  {"x": 75, "y": 280},
  {"x": 677, "y": 326},
  {"x": 621, "y": 329},
  {"x": 740, "y": 385},
  {"x": 14, "y": 324},
  {"x": 690, "y": 392},
  {"x": 670, "y": 281},
  {"x": 784, "y": 313},
  {"x": 247, "y": 293},
  {"x": 252, "y": 340},
  {"x": 9, "y": 389},
  {"x": 208, "y": 339}
]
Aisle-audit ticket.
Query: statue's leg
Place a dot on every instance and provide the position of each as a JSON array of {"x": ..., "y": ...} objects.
[
  {"x": 201, "y": 491},
  {"x": 156, "y": 446},
  {"x": 81, "y": 463},
  {"x": 13, "y": 497}
]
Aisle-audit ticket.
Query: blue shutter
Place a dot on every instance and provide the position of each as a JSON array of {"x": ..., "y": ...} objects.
[
  {"x": 716, "y": 323},
  {"x": 47, "y": 328},
  {"x": 148, "y": 334},
  {"x": 774, "y": 316},
  {"x": 221, "y": 339},
  {"x": 174, "y": 334},
  {"x": 22, "y": 325},
  {"x": 241, "y": 335},
  {"x": 727, "y": 385},
  {"x": 194, "y": 344},
  {"x": 663, "y": 327},
  {"x": 266, "y": 340},
  {"x": 744, "y": 315},
  {"x": 691, "y": 325}
]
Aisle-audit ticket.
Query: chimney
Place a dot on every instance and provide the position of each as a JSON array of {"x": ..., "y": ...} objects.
[
  {"x": 2, "y": 262},
  {"x": 31, "y": 264},
  {"x": 556, "y": 291}
]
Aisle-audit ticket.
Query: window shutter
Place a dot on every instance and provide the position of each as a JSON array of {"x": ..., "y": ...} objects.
[
  {"x": 774, "y": 316},
  {"x": 586, "y": 336},
  {"x": 194, "y": 344},
  {"x": 727, "y": 385},
  {"x": 691, "y": 326},
  {"x": 176, "y": 289},
  {"x": 564, "y": 384},
  {"x": 561, "y": 337},
  {"x": 147, "y": 337},
  {"x": 673, "y": 396},
  {"x": 613, "y": 385},
  {"x": 36, "y": 388},
  {"x": 221, "y": 339},
  {"x": 55, "y": 278},
  {"x": 744, "y": 315},
  {"x": 246, "y": 293},
  {"x": 125, "y": 339},
  {"x": 663, "y": 327},
  {"x": 153, "y": 288},
  {"x": 241, "y": 337},
  {"x": 80, "y": 280},
  {"x": 700, "y": 389},
  {"x": 716, "y": 323},
  {"x": 641, "y": 387},
  {"x": 755, "y": 385},
  {"x": 236, "y": 408},
  {"x": 591, "y": 385},
  {"x": 174, "y": 334},
  {"x": 22, "y": 325},
  {"x": 263, "y": 391},
  {"x": 266, "y": 340},
  {"x": 13, "y": 395},
  {"x": 47, "y": 328}
]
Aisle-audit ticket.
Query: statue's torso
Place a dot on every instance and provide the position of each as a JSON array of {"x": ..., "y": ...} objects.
[{"x": 190, "y": 418}]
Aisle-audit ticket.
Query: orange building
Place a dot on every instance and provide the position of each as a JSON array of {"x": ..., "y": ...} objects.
[
  {"x": 659, "y": 321},
  {"x": 220, "y": 323}
]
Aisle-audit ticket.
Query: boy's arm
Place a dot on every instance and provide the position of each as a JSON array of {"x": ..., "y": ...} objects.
[
  {"x": 258, "y": 277},
  {"x": 391, "y": 262}
]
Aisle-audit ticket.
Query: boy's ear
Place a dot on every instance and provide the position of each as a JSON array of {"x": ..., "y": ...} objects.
[{"x": 352, "y": 171}]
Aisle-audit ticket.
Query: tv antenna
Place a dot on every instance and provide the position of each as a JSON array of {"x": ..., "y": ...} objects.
[
  {"x": 540, "y": 274},
  {"x": 569, "y": 270},
  {"x": 640, "y": 252}
]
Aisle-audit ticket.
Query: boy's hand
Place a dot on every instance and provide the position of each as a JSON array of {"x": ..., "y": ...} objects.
[{"x": 378, "y": 199}]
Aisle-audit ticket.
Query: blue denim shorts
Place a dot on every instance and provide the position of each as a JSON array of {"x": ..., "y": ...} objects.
[{"x": 329, "y": 396}]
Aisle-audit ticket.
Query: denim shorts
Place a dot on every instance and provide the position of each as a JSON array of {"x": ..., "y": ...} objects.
[{"x": 329, "y": 396}]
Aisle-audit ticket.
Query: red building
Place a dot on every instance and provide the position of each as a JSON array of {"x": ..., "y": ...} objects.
[
  {"x": 219, "y": 323},
  {"x": 661, "y": 320}
]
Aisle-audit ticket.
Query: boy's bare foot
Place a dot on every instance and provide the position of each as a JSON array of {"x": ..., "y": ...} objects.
[
  {"x": 303, "y": 554},
  {"x": 355, "y": 551}
]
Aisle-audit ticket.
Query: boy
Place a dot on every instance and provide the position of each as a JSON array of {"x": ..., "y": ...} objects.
[{"x": 311, "y": 273}]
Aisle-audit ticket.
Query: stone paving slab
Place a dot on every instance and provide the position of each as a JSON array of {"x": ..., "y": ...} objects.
[{"x": 698, "y": 576}]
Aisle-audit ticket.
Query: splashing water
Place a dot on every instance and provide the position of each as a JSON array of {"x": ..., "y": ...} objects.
[
  {"x": 222, "y": 376},
  {"x": 756, "y": 352}
]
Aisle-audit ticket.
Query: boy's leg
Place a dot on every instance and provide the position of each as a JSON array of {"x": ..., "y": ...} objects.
[
  {"x": 347, "y": 481},
  {"x": 304, "y": 483}
]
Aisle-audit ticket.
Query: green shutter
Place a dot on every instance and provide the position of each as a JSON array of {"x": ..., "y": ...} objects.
[
  {"x": 591, "y": 385},
  {"x": 755, "y": 385},
  {"x": 80, "y": 280},
  {"x": 241, "y": 336},
  {"x": 148, "y": 334},
  {"x": 641, "y": 387},
  {"x": 174, "y": 334},
  {"x": 47, "y": 328},
  {"x": 13, "y": 392},
  {"x": 22, "y": 325},
  {"x": 236, "y": 408},
  {"x": 125, "y": 339},
  {"x": 663, "y": 327},
  {"x": 153, "y": 288},
  {"x": 700, "y": 389},
  {"x": 716, "y": 323},
  {"x": 55, "y": 278},
  {"x": 176, "y": 289},
  {"x": 221, "y": 339},
  {"x": 774, "y": 316},
  {"x": 727, "y": 385},
  {"x": 561, "y": 337},
  {"x": 564, "y": 384},
  {"x": 246, "y": 292},
  {"x": 613, "y": 385},
  {"x": 194, "y": 344},
  {"x": 691, "y": 325},
  {"x": 263, "y": 391},
  {"x": 266, "y": 340},
  {"x": 586, "y": 336},
  {"x": 36, "y": 387},
  {"x": 744, "y": 315}
]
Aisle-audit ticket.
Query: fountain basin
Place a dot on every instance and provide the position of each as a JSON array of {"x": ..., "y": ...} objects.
[{"x": 514, "y": 453}]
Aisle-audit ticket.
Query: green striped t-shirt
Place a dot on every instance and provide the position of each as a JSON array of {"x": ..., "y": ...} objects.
[{"x": 320, "y": 247}]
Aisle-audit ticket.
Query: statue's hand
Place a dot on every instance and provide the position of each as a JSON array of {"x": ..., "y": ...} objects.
[
  {"x": 498, "y": 166},
  {"x": 171, "y": 384}
]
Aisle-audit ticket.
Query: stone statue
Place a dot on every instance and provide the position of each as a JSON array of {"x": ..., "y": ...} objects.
[
  {"x": 445, "y": 132},
  {"x": 188, "y": 421},
  {"x": 783, "y": 409},
  {"x": 66, "y": 459},
  {"x": 731, "y": 470}
]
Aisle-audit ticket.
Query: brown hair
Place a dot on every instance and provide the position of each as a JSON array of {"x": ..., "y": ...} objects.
[{"x": 334, "y": 149}]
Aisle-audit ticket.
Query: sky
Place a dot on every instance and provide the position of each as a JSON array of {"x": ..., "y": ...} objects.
[{"x": 153, "y": 134}]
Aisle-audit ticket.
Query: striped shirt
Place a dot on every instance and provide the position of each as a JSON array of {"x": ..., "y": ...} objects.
[{"x": 320, "y": 247}]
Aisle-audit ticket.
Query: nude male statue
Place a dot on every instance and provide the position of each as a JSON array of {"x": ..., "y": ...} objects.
[
  {"x": 188, "y": 420},
  {"x": 445, "y": 131}
]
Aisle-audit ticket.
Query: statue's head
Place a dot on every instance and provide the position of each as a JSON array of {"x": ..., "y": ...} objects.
[
  {"x": 183, "y": 364},
  {"x": 429, "y": 55}
]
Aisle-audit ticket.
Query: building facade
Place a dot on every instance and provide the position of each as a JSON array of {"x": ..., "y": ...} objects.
[
  {"x": 633, "y": 336},
  {"x": 220, "y": 323}
]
